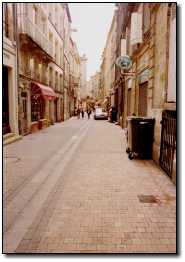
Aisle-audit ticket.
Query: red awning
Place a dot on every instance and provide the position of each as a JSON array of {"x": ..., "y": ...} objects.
[{"x": 38, "y": 89}]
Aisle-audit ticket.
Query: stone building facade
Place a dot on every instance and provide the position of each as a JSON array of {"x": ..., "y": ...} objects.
[
  {"x": 43, "y": 65},
  {"x": 108, "y": 66},
  {"x": 149, "y": 31},
  {"x": 83, "y": 80},
  {"x": 94, "y": 83},
  {"x": 9, "y": 81},
  {"x": 74, "y": 86}
]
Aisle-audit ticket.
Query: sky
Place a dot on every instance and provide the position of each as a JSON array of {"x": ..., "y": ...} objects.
[{"x": 92, "y": 21}]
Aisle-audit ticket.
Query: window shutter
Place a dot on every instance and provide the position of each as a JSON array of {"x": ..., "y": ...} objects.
[
  {"x": 127, "y": 41},
  {"x": 136, "y": 28}
]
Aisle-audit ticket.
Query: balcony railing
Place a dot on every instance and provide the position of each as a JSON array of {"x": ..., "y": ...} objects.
[{"x": 33, "y": 31}]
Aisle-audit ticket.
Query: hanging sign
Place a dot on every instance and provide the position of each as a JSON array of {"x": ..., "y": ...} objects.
[{"x": 124, "y": 62}]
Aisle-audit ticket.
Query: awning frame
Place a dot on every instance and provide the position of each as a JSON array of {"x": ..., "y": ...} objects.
[{"x": 40, "y": 90}]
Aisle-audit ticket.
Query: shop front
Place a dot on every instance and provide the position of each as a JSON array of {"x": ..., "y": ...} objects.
[{"x": 40, "y": 95}]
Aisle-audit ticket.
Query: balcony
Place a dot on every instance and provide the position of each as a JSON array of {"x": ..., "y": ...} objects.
[{"x": 34, "y": 32}]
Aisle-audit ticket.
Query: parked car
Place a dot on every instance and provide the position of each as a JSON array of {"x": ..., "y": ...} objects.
[{"x": 100, "y": 113}]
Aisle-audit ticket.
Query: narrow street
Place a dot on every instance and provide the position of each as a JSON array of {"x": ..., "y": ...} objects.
[{"x": 71, "y": 188}]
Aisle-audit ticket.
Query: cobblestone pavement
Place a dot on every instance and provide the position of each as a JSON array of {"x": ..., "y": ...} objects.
[{"x": 79, "y": 192}]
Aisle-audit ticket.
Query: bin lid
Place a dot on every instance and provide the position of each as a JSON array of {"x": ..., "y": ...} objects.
[{"x": 140, "y": 118}]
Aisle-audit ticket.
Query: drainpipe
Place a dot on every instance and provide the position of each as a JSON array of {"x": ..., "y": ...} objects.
[
  {"x": 16, "y": 37},
  {"x": 136, "y": 97}
]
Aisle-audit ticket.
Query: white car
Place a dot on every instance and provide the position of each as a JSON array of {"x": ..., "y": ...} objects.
[{"x": 100, "y": 113}]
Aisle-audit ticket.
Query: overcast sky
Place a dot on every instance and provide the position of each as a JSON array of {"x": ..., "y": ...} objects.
[{"x": 92, "y": 20}]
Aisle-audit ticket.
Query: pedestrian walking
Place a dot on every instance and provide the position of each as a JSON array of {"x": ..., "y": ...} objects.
[
  {"x": 82, "y": 112},
  {"x": 78, "y": 113},
  {"x": 89, "y": 113}
]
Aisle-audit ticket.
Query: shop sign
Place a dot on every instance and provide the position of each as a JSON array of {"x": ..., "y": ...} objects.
[{"x": 124, "y": 62}]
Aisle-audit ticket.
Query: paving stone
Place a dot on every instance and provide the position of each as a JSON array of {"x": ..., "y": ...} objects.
[{"x": 95, "y": 207}]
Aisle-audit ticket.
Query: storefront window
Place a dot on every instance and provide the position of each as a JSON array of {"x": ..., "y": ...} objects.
[{"x": 37, "y": 109}]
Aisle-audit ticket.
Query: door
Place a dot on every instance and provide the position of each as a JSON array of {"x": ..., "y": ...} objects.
[
  {"x": 61, "y": 109},
  {"x": 142, "y": 110},
  {"x": 24, "y": 120},
  {"x": 55, "y": 102},
  {"x": 5, "y": 101},
  {"x": 116, "y": 99},
  {"x": 129, "y": 102}
]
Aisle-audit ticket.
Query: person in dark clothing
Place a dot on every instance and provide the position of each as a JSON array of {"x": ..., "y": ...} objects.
[
  {"x": 78, "y": 113},
  {"x": 89, "y": 113},
  {"x": 113, "y": 114},
  {"x": 82, "y": 112}
]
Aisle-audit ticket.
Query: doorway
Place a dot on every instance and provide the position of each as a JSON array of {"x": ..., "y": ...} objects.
[
  {"x": 142, "y": 109},
  {"x": 129, "y": 102},
  {"x": 5, "y": 101},
  {"x": 55, "y": 103},
  {"x": 24, "y": 119}
]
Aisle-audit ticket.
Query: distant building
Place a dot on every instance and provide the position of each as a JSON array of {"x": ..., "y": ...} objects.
[{"x": 83, "y": 77}]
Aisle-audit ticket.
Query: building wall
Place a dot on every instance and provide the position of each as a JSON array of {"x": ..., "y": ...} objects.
[
  {"x": 151, "y": 56},
  {"x": 48, "y": 25},
  {"x": 10, "y": 61}
]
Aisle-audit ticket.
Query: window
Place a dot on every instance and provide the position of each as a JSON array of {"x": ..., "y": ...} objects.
[
  {"x": 127, "y": 40},
  {"x": 50, "y": 77},
  {"x": 61, "y": 57},
  {"x": 8, "y": 20},
  {"x": 56, "y": 50},
  {"x": 44, "y": 75},
  {"x": 146, "y": 17},
  {"x": 61, "y": 83},
  {"x": 6, "y": 25},
  {"x": 61, "y": 26},
  {"x": 136, "y": 28},
  {"x": 56, "y": 16},
  {"x": 39, "y": 72},
  {"x": 56, "y": 80},
  {"x": 36, "y": 18},
  {"x": 44, "y": 25},
  {"x": 50, "y": 16},
  {"x": 32, "y": 67}
]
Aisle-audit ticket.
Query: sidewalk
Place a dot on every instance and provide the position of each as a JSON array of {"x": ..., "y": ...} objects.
[{"x": 103, "y": 202}]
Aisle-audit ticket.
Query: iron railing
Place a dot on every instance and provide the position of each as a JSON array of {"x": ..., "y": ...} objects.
[{"x": 168, "y": 141}]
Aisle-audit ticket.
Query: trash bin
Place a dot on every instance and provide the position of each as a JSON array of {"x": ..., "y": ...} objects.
[{"x": 140, "y": 133}]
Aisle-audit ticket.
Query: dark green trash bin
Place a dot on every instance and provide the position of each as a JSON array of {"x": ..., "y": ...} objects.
[{"x": 140, "y": 137}]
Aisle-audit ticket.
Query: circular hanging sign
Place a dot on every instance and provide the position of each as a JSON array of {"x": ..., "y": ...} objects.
[{"x": 124, "y": 62}]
